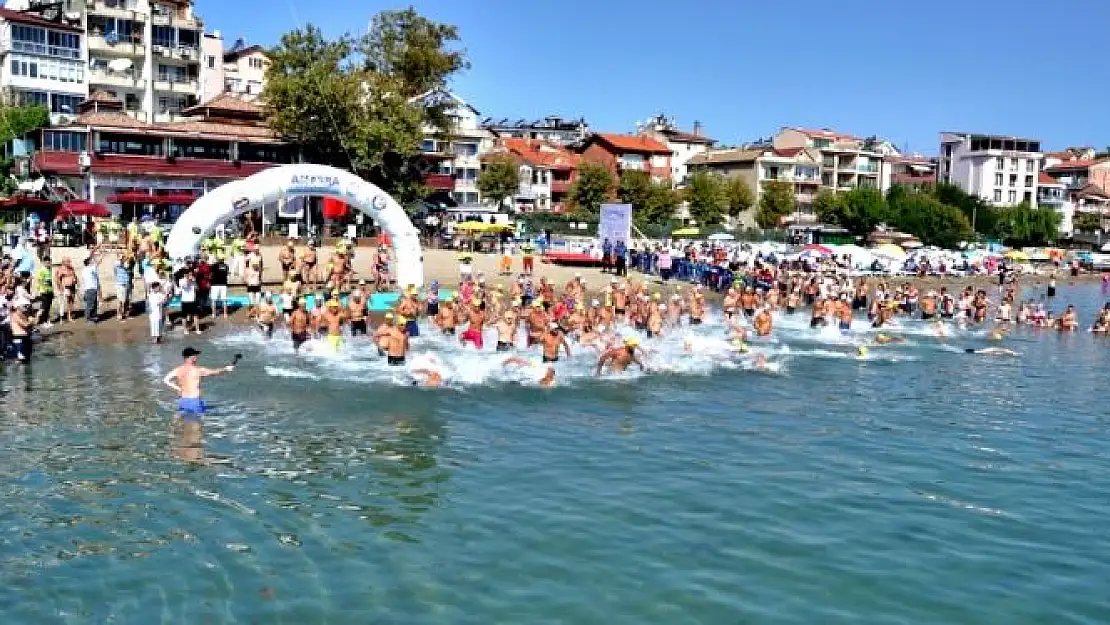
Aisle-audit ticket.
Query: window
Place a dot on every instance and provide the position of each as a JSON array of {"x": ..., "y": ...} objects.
[
  {"x": 821, "y": 143},
  {"x": 466, "y": 149},
  {"x": 255, "y": 63},
  {"x": 211, "y": 61},
  {"x": 34, "y": 70},
  {"x": 1012, "y": 196},
  {"x": 164, "y": 36},
  {"x": 1029, "y": 181},
  {"x": 1028, "y": 197},
  {"x": 196, "y": 148},
  {"x": 62, "y": 141},
  {"x": 261, "y": 153},
  {"x": 1030, "y": 165},
  {"x": 172, "y": 73},
  {"x": 998, "y": 195},
  {"x": 138, "y": 145},
  {"x": 172, "y": 104},
  {"x": 1013, "y": 180},
  {"x": 1000, "y": 163},
  {"x": 428, "y": 146},
  {"x": 998, "y": 179},
  {"x": 34, "y": 98},
  {"x": 1013, "y": 164},
  {"x": 63, "y": 103}
]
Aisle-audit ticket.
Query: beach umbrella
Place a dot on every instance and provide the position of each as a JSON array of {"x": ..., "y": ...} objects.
[
  {"x": 1017, "y": 255},
  {"x": 685, "y": 232},
  {"x": 911, "y": 244},
  {"x": 471, "y": 226},
  {"x": 721, "y": 236},
  {"x": 821, "y": 250},
  {"x": 889, "y": 250}
]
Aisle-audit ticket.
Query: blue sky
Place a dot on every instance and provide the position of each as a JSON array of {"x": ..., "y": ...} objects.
[{"x": 902, "y": 71}]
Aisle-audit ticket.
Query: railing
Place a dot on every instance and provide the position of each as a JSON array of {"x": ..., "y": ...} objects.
[
  {"x": 868, "y": 168},
  {"x": 560, "y": 186},
  {"x": 440, "y": 181},
  {"x": 122, "y": 79},
  {"x": 100, "y": 8},
  {"x": 828, "y": 161},
  {"x": 633, "y": 165},
  {"x": 127, "y": 44},
  {"x": 41, "y": 48}
]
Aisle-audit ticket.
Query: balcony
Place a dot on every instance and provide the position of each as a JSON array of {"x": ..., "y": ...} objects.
[
  {"x": 117, "y": 79},
  {"x": 441, "y": 182},
  {"x": 868, "y": 168},
  {"x": 45, "y": 50},
  {"x": 828, "y": 161},
  {"x": 117, "y": 47},
  {"x": 176, "y": 84},
  {"x": 175, "y": 53},
  {"x": 103, "y": 10},
  {"x": 560, "y": 186}
]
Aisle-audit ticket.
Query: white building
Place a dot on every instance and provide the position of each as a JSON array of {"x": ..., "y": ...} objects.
[
  {"x": 146, "y": 53},
  {"x": 43, "y": 62},
  {"x": 1003, "y": 170},
  {"x": 684, "y": 145},
  {"x": 847, "y": 162},
  {"x": 454, "y": 164},
  {"x": 211, "y": 66},
  {"x": 245, "y": 70}
]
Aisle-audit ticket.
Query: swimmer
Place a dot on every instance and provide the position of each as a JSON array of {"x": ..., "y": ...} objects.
[
  {"x": 383, "y": 332},
  {"x": 762, "y": 322},
  {"x": 862, "y": 352},
  {"x": 432, "y": 378},
  {"x": 548, "y": 378},
  {"x": 885, "y": 339},
  {"x": 552, "y": 341},
  {"x": 618, "y": 358},
  {"x": 186, "y": 379},
  {"x": 992, "y": 351}
]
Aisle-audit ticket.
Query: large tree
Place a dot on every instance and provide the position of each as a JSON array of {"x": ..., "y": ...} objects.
[
  {"x": 829, "y": 207},
  {"x": 776, "y": 202},
  {"x": 1087, "y": 222},
  {"x": 351, "y": 102},
  {"x": 652, "y": 202},
  {"x": 1023, "y": 225},
  {"x": 707, "y": 197},
  {"x": 739, "y": 194},
  {"x": 932, "y": 222},
  {"x": 500, "y": 178},
  {"x": 18, "y": 121},
  {"x": 592, "y": 187}
]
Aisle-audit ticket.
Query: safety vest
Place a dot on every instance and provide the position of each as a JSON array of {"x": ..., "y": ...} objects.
[{"x": 45, "y": 279}]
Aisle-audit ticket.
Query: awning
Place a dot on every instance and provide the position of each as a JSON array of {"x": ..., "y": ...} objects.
[
  {"x": 30, "y": 203},
  {"x": 144, "y": 197},
  {"x": 83, "y": 208}
]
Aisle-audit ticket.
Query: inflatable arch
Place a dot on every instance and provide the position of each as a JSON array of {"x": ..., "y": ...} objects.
[{"x": 270, "y": 185}]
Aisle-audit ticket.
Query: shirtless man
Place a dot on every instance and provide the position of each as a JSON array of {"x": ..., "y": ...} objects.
[
  {"x": 552, "y": 341},
  {"x": 185, "y": 379},
  {"x": 298, "y": 325},
  {"x": 383, "y": 332},
  {"x": 476, "y": 319},
  {"x": 697, "y": 306},
  {"x": 655, "y": 320},
  {"x": 446, "y": 316},
  {"x": 506, "y": 331},
  {"x": 548, "y": 378},
  {"x": 1069, "y": 322},
  {"x": 397, "y": 344},
  {"x": 267, "y": 314},
  {"x": 21, "y": 322},
  {"x": 67, "y": 279},
  {"x": 333, "y": 319},
  {"x": 408, "y": 307},
  {"x": 308, "y": 265},
  {"x": 287, "y": 258},
  {"x": 356, "y": 313},
  {"x": 618, "y": 358},
  {"x": 763, "y": 322}
]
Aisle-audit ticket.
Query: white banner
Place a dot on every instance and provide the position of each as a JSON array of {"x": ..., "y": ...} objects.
[
  {"x": 292, "y": 207},
  {"x": 615, "y": 223}
]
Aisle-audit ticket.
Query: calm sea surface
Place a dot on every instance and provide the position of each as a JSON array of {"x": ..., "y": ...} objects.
[{"x": 919, "y": 485}]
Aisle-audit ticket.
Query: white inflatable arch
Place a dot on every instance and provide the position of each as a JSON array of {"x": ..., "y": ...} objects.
[{"x": 270, "y": 185}]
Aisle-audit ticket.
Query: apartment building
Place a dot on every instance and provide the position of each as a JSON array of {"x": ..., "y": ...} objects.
[
  {"x": 761, "y": 165},
  {"x": 146, "y": 53},
  {"x": 454, "y": 157},
  {"x": 546, "y": 172},
  {"x": 245, "y": 70},
  {"x": 629, "y": 153},
  {"x": 211, "y": 66},
  {"x": 1001, "y": 169},
  {"x": 915, "y": 171},
  {"x": 43, "y": 62},
  {"x": 683, "y": 145},
  {"x": 552, "y": 129},
  {"x": 846, "y": 161}
]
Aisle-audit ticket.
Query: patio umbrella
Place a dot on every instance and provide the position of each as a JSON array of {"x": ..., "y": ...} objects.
[
  {"x": 889, "y": 250},
  {"x": 83, "y": 208},
  {"x": 911, "y": 244},
  {"x": 685, "y": 232},
  {"x": 813, "y": 248},
  {"x": 471, "y": 226},
  {"x": 721, "y": 236}
]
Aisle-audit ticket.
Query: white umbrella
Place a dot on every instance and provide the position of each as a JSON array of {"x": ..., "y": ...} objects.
[
  {"x": 721, "y": 236},
  {"x": 911, "y": 244}
]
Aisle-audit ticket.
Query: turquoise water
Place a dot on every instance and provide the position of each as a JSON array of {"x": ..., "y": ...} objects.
[
  {"x": 379, "y": 302},
  {"x": 920, "y": 485}
]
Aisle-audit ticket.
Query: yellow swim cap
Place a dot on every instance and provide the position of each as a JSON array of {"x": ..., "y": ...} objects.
[
  {"x": 862, "y": 351},
  {"x": 474, "y": 301},
  {"x": 388, "y": 315},
  {"x": 656, "y": 296},
  {"x": 631, "y": 341}
]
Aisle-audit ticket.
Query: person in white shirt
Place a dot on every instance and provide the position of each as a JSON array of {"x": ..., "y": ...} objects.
[
  {"x": 90, "y": 284},
  {"x": 156, "y": 308},
  {"x": 190, "y": 307}
]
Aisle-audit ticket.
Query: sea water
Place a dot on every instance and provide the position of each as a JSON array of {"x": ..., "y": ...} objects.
[{"x": 917, "y": 484}]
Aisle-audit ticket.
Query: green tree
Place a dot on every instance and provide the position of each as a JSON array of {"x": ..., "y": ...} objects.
[
  {"x": 592, "y": 187},
  {"x": 865, "y": 208},
  {"x": 18, "y": 121},
  {"x": 830, "y": 208},
  {"x": 350, "y": 102},
  {"x": 500, "y": 178},
  {"x": 1087, "y": 222},
  {"x": 634, "y": 187},
  {"x": 662, "y": 201},
  {"x": 776, "y": 202},
  {"x": 707, "y": 197},
  {"x": 977, "y": 211},
  {"x": 934, "y": 223},
  {"x": 739, "y": 195},
  {"x": 1022, "y": 225}
]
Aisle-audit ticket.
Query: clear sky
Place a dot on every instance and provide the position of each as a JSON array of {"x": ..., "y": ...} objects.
[{"x": 901, "y": 70}]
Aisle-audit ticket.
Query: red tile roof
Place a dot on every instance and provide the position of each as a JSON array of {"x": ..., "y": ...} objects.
[
  {"x": 541, "y": 153},
  {"x": 228, "y": 56},
  {"x": 825, "y": 133},
  {"x": 1071, "y": 165},
  {"x": 227, "y": 102},
  {"x": 687, "y": 137},
  {"x": 912, "y": 179},
  {"x": 1045, "y": 180},
  {"x": 20, "y": 17},
  {"x": 631, "y": 143},
  {"x": 198, "y": 128},
  {"x": 787, "y": 152}
]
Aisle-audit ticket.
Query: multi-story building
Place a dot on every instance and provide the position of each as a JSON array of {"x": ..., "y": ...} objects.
[
  {"x": 546, "y": 172},
  {"x": 454, "y": 155},
  {"x": 1051, "y": 194},
  {"x": 683, "y": 145},
  {"x": 110, "y": 157},
  {"x": 552, "y": 129},
  {"x": 1003, "y": 170},
  {"x": 846, "y": 162},
  {"x": 146, "y": 53},
  {"x": 211, "y": 66},
  {"x": 914, "y": 171},
  {"x": 245, "y": 70},
  {"x": 43, "y": 62},
  {"x": 629, "y": 153},
  {"x": 760, "y": 166}
]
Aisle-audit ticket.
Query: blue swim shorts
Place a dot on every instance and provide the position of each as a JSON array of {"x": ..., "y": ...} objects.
[
  {"x": 412, "y": 328},
  {"x": 191, "y": 408}
]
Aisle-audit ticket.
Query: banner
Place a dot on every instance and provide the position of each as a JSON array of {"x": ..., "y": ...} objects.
[
  {"x": 615, "y": 223},
  {"x": 292, "y": 208}
]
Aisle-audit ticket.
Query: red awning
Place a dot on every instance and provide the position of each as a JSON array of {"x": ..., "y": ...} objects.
[
  {"x": 144, "y": 197},
  {"x": 83, "y": 208},
  {"x": 30, "y": 203}
]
